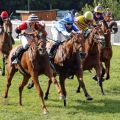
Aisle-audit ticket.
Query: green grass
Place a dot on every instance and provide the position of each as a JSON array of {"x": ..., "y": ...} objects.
[{"x": 101, "y": 108}]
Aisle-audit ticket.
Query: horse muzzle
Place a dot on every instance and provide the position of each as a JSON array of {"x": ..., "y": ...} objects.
[
  {"x": 82, "y": 55},
  {"x": 42, "y": 51}
]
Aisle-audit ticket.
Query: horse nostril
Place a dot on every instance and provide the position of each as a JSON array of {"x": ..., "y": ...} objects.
[{"x": 82, "y": 55}]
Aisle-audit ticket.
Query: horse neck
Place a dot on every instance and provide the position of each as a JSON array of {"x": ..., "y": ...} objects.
[
  {"x": 68, "y": 47},
  {"x": 107, "y": 35}
]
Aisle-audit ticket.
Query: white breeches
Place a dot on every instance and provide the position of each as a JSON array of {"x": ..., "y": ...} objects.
[
  {"x": 57, "y": 36},
  {"x": 25, "y": 39}
]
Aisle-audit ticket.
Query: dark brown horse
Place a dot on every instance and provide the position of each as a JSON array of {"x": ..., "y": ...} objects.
[
  {"x": 93, "y": 49},
  {"x": 68, "y": 62},
  {"x": 5, "y": 42},
  {"x": 34, "y": 62}
]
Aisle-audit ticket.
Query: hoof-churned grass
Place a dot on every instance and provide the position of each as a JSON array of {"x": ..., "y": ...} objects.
[{"x": 78, "y": 108}]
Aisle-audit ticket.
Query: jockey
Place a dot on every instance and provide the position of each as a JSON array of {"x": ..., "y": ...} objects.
[
  {"x": 62, "y": 29},
  {"x": 98, "y": 14},
  {"x": 108, "y": 15},
  {"x": 4, "y": 16},
  {"x": 28, "y": 27},
  {"x": 84, "y": 23}
]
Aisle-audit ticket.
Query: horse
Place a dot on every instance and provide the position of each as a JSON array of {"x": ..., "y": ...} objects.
[
  {"x": 34, "y": 62},
  {"x": 5, "y": 42},
  {"x": 106, "y": 53},
  {"x": 93, "y": 48},
  {"x": 68, "y": 62}
]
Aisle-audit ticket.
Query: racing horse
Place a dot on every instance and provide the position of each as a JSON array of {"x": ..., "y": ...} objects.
[
  {"x": 5, "y": 42},
  {"x": 68, "y": 62},
  {"x": 33, "y": 62},
  {"x": 93, "y": 48}
]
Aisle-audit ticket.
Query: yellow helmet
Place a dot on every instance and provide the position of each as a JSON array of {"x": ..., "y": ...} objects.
[
  {"x": 88, "y": 15},
  {"x": 98, "y": 9}
]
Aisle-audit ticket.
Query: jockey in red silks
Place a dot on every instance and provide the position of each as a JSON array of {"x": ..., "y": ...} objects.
[
  {"x": 3, "y": 16},
  {"x": 28, "y": 27}
]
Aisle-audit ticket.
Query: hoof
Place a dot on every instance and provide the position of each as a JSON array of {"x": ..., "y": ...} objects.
[
  {"x": 46, "y": 98},
  {"x": 95, "y": 78},
  {"x": 45, "y": 112},
  {"x": 30, "y": 86},
  {"x": 62, "y": 97},
  {"x": 89, "y": 97},
  {"x": 78, "y": 91}
]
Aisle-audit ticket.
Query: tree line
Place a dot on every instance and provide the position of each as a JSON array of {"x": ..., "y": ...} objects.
[{"x": 79, "y": 5}]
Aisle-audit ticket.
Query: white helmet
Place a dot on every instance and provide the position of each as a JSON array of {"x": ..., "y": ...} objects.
[
  {"x": 33, "y": 18},
  {"x": 88, "y": 15}
]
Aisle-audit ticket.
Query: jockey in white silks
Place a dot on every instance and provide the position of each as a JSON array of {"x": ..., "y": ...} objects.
[
  {"x": 62, "y": 29},
  {"x": 28, "y": 27}
]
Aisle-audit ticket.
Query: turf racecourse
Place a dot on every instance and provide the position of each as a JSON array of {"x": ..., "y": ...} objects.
[{"x": 101, "y": 108}]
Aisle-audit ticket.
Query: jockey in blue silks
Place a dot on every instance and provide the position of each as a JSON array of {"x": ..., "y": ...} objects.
[{"x": 62, "y": 29}]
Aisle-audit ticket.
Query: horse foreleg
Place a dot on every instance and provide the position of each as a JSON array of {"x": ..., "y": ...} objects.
[
  {"x": 78, "y": 89},
  {"x": 47, "y": 91},
  {"x": 24, "y": 82},
  {"x": 107, "y": 65},
  {"x": 40, "y": 92},
  {"x": 62, "y": 84},
  {"x": 79, "y": 75},
  {"x": 99, "y": 77},
  {"x": 10, "y": 74}
]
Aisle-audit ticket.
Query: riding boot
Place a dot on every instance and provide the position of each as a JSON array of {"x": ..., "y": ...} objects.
[
  {"x": 52, "y": 50},
  {"x": 19, "y": 52}
]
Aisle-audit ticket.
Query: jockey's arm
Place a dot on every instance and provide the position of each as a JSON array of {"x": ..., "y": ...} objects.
[
  {"x": 76, "y": 29},
  {"x": 21, "y": 27}
]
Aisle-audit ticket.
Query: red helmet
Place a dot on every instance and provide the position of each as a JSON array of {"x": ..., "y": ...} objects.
[{"x": 4, "y": 14}]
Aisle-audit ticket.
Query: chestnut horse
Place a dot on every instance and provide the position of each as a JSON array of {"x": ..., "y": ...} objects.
[
  {"x": 68, "y": 62},
  {"x": 5, "y": 42},
  {"x": 34, "y": 62},
  {"x": 93, "y": 48},
  {"x": 106, "y": 53}
]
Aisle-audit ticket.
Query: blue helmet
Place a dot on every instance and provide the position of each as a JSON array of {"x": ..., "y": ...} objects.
[{"x": 68, "y": 18}]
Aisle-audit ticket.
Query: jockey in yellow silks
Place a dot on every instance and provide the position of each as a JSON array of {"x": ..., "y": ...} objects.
[{"x": 84, "y": 22}]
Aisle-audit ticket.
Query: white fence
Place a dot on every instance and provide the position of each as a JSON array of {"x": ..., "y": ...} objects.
[{"x": 115, "y": 38}]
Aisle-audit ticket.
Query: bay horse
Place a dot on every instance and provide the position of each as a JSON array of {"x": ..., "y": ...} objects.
[
  {"x": 5, "y": 42},
  {"x": 68, "y": 62},
  {"x": 34, "y": 62},
  {"x": 93, "y": 48}
]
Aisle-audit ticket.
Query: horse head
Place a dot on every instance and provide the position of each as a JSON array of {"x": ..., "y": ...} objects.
[
  {"x": 7, "y": 26},
  {"x": 96, "y": 36}
]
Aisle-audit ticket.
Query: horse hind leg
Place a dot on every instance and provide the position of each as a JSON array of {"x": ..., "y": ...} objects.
[
  {"x": 21, "y": 87},
  {"x": 10, "y": 73},
  {"x": 51, "y": 76}
]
